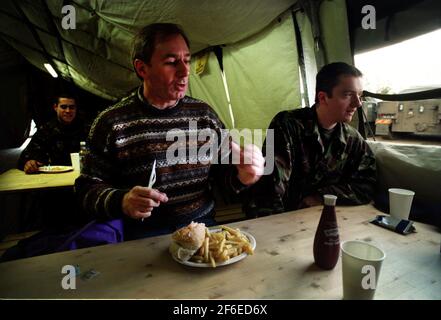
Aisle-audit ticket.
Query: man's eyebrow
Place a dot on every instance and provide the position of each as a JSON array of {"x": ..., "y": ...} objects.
[{"x": 171, "y": 55}]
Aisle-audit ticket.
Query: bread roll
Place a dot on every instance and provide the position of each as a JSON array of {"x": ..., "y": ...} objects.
[{"x": 187, "y": 240}]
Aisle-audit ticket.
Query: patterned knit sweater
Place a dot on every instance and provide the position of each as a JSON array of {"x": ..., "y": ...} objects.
[{"x": 126, "y": 138}]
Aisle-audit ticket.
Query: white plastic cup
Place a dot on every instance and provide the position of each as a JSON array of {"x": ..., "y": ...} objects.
[
  {"x": 361, "y": 265},
  {"x": 400, "y": 202},
  {"x": 75, "y": 159}
]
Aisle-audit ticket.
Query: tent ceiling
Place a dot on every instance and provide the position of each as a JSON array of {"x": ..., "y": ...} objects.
[{"x": 96, "y": 55}]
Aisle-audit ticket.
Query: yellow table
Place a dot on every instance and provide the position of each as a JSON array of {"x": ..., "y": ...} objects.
[
  {"x": 281, "y": 268},
  {"x": 16, "y": 180}
]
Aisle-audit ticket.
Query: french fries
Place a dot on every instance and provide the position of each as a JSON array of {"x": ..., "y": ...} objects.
[{"x": 221, "y": 246}]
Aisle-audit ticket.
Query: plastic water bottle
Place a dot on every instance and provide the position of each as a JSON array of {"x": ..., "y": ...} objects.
[
  {"x": 82, "y": 153},
  {"x": 327, "y": 240}
]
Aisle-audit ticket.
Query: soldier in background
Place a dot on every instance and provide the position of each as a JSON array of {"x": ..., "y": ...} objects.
[
  {"x": 56, "y": 140},
  {"x": 317, "y": 152},
  {"x": 53, "y": 142}
]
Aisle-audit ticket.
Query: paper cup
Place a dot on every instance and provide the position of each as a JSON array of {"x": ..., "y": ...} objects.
[
  {"x": 75, "y": 159},
  {"x": 400, "y": 202},
  {"x": 361, "y": 265}
]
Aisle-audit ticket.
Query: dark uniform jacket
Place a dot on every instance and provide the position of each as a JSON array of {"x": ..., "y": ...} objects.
[
  {"x": 53, "y": 143},
  {"x": 305, "y": 165}
]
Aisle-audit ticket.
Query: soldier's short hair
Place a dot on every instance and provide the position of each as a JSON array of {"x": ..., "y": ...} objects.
[
  {"x": 146, "y": 39},
  {"x": 67, "y": 95},
  {"x": 329, "y": 76}
]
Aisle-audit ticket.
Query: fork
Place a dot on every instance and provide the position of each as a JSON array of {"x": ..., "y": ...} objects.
[{"x": 152, "y": 179}]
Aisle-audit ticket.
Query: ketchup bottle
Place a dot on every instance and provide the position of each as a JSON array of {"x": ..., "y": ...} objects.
[{"x": 326, "y": 240}]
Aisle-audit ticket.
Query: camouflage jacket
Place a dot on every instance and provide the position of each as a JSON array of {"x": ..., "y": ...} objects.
[
  {"x": 304, "y": 167},
  {"x": 54, "y": 142}
]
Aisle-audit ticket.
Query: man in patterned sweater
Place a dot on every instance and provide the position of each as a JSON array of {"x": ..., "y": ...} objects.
[
  {"x": 316, "y": 152},
  {"x": 128, "y": 137}
]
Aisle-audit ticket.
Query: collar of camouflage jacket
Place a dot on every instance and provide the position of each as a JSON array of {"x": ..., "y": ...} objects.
[{"x": 313, "y": 129}]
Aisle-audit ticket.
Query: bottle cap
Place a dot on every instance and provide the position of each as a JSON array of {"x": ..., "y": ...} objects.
[{"x": 329, "y": 199}]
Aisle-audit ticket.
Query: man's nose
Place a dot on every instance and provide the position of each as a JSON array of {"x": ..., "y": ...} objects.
[
  {"x": 183, "y": 69},
  {"x": 356, "y": 102}
]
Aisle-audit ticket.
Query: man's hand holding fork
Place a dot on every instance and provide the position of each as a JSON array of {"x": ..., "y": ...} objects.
[{"x": 139, "y": 202}]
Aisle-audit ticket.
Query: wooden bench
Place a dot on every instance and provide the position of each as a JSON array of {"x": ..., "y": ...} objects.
[{"x": 12, "y": 239}]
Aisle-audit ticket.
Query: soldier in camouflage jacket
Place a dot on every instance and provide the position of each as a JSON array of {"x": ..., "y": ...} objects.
[{"x": 316, "y": 152}]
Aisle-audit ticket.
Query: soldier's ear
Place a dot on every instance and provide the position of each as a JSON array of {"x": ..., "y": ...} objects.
[
  {"x": 322, "y": 97},
  {"x": 54, "y": 106}
]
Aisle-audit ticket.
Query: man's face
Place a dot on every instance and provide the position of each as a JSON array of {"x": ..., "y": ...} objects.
[
  {"x": 66, "y": 110},
  {"x": 346, "y": 98},
  {"x": 167, "y": 73}
]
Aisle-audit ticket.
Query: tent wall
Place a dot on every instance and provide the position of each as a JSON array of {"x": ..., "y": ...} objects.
[
  {"x": 263, "y": 75},
  {"x": 309, "y": 61},
  {"x": 335, "y": 32},
  {"x": 208, "y": 87}
]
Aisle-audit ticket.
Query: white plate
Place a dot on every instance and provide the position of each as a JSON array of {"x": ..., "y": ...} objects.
[
  {"x": 55, "y": 169},
  {"x": 225, "y": 263}
]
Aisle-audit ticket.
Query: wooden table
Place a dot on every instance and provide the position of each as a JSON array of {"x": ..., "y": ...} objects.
[
  {"x": 281, "y": 268},
  {"x": 16, "y": 180}
]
